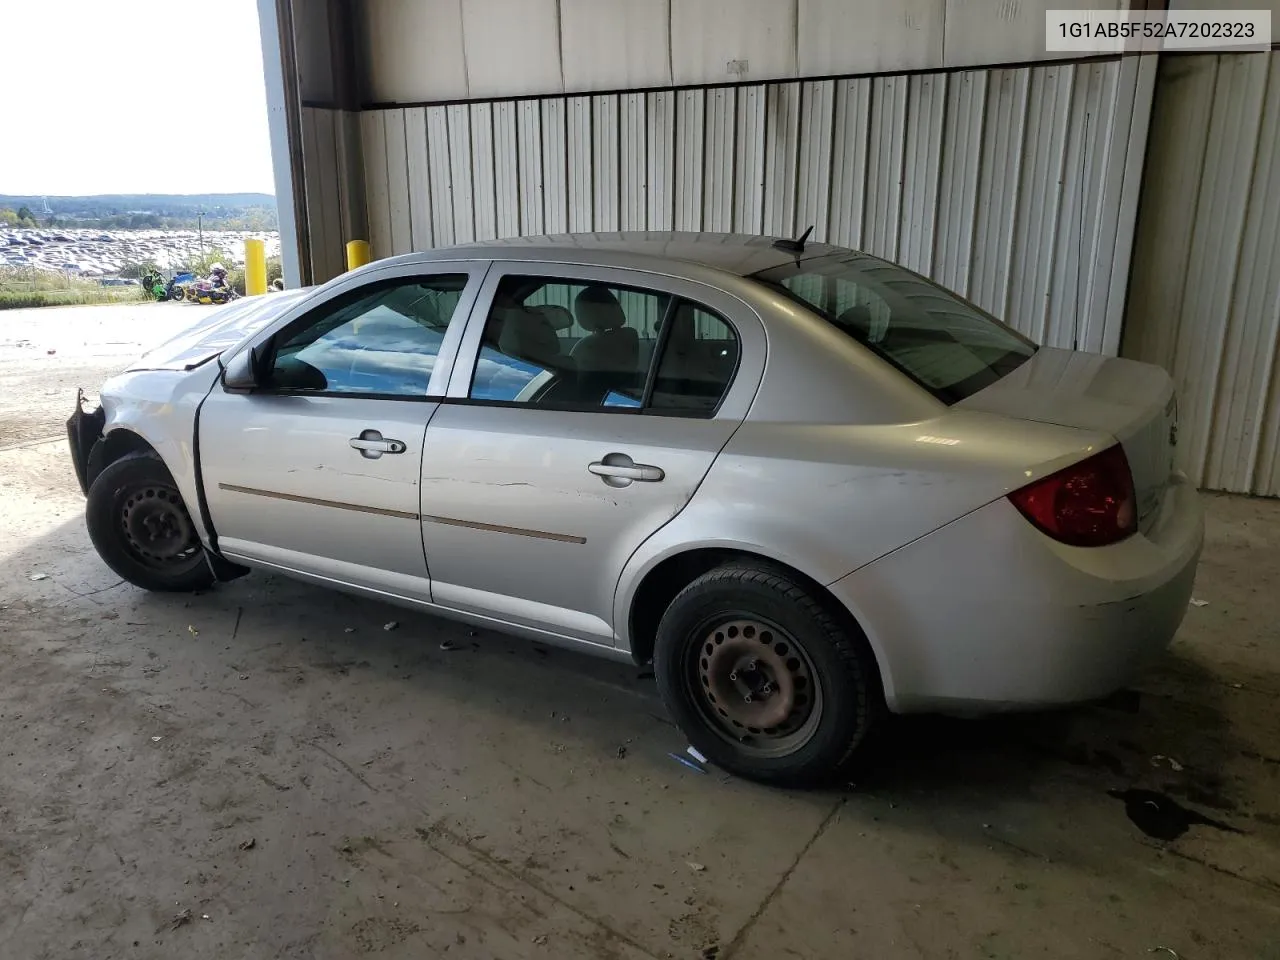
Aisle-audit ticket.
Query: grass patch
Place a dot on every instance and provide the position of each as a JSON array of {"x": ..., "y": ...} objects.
[{"x": 22, "y": 288}]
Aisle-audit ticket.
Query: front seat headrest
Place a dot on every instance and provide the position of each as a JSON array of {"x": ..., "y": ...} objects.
[
  {"x": 597, "y": 310},
  {"x": 529, "y": 336},
  {"x": 560, "y": 317}
]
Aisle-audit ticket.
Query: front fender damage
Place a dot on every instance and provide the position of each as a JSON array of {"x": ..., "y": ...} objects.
[
  {"x": 84, "y": 430},
  {"x": 85, "y": 435}
]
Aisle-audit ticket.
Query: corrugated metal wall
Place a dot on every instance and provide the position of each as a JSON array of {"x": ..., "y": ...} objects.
[
  {"x": 1205, "y": 300},
  {"x": 322, "y": 183},
  {"x": 422, "y": 50},
  {"x": 992, "y": 181}
]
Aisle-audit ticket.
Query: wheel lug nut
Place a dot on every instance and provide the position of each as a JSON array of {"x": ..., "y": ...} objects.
[
  {"x": 734, "y": 675},
  {"x": 754, "y": 664},
  {"x": 767, "y": 688},
  {"x": 747, "y": 698}
]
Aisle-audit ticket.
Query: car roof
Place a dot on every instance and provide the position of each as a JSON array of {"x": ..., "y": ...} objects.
[{"x": 669, "y": 252}]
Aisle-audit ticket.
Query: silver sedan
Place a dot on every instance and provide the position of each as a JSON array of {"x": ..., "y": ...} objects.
[{"x": 809, "y": 485}]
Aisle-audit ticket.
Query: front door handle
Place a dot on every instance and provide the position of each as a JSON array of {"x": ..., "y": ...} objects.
[
  {"x": 618, "y": 470},
  {"x": 373, "y": 444}
]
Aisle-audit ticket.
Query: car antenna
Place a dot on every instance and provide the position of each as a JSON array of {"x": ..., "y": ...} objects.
[{"x": 794, "y": 246}]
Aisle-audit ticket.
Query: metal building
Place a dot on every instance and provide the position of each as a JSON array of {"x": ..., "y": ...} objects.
[{"x": 1124, "y": 204}]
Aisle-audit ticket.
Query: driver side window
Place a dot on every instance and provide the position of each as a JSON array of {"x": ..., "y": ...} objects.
[{"x": 381, "y": 340}]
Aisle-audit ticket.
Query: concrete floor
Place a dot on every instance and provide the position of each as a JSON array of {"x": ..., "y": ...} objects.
[{"x": 265, "y": 771}]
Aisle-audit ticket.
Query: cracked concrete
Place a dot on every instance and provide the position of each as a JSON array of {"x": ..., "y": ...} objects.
[{"x": 409, "y": 801}]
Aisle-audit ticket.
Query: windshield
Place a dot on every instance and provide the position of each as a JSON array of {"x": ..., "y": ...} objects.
[{"x": 941, "y": 341}]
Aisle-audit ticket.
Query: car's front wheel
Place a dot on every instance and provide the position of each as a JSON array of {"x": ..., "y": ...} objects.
[
  {"x": 763, "y": 676},
  {"x": 141, "y": 529}
]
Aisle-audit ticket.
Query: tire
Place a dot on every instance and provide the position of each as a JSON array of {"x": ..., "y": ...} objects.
[
  {"x": 765, "y": 678},
  {"x": 141, "y": 528}
]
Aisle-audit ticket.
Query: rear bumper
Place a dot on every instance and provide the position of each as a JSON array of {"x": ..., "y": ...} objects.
[{"x": 989, "y": 614}]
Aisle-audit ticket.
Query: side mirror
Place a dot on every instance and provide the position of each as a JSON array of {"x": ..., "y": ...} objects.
[{"x": 243, "y": 372}]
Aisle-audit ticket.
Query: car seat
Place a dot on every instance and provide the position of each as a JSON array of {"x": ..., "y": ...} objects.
[
  {"x": 530, "y": 336},
  {"x": 610, "y": 346},
  {"x": 560, "y": 317}
]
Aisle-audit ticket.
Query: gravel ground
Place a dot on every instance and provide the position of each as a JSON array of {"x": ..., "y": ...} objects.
[
  {"x": 46, "y": 354},
  {"x": 264, "y": 771}
]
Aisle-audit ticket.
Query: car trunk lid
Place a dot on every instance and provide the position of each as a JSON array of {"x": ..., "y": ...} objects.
[{"x": 1134, "y": 402}]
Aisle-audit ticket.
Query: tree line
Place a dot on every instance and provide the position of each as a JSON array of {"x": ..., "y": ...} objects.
[
  {"x": 22, "y": 217},
  {"x": 251, "y": 219}
]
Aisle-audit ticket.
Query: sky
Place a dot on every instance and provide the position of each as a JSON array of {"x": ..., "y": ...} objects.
[{"x": 132, "y": 96}]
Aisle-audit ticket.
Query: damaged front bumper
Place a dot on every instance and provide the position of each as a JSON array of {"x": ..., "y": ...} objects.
[{"x": 84, "y": 430}]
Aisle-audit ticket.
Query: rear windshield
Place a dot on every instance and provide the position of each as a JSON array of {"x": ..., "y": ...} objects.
[{"x": 941, "y": 341}]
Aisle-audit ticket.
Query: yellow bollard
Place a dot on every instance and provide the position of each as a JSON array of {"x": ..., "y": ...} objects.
[
  {"x": 255, "y": 268},
  {"x": 357, "y": 253}
]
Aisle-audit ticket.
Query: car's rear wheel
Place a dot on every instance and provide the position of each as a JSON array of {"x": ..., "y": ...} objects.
[
  {"x": 765, "y": 678},
  {"x": 141, "y": 528}
]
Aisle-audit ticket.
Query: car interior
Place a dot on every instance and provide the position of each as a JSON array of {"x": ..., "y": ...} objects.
[{"x": 596, "y": 355}]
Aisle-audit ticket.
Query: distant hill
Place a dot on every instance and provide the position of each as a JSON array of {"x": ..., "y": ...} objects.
[
  {"x": 161, "y": 203},
  {"x": 230, "y": 211}
]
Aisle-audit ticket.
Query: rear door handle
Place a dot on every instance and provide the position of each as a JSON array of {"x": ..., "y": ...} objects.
[
  {"x": 372, "y": 444},
  {"x": 620, "y": 469}
]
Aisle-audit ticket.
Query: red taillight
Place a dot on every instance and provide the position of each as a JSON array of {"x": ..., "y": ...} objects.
[{"x": 1088, "y": 504}]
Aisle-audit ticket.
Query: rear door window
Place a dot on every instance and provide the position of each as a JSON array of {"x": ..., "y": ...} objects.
[
  {"x": 582, "y": 345},
  {"x": 566, "y": 344},
  {"x": 944, "y": 343}
]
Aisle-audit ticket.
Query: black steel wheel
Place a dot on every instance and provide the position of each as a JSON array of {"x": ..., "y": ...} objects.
[
  {"x": 141, "y": 528},
  {"x": 764, "y": 677}
]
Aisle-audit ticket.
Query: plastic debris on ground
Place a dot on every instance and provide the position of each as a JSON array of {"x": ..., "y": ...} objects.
[
  {"x": 156, "y": 739},
  {"x": 686, "y": 762},
  {"x": 391, "y": 625},
  {"x": 696, "y": 754},
  {"x": 448, "y": 645},
  {"x": 1160, "y": 759},
  {"x": 192, "y": 630},
  {"x": 696, "y": 867},
  {"x": 39, "y": 576},
  {"x": 248, "y": 844},
  {"x": 1199, "y": 603}
]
